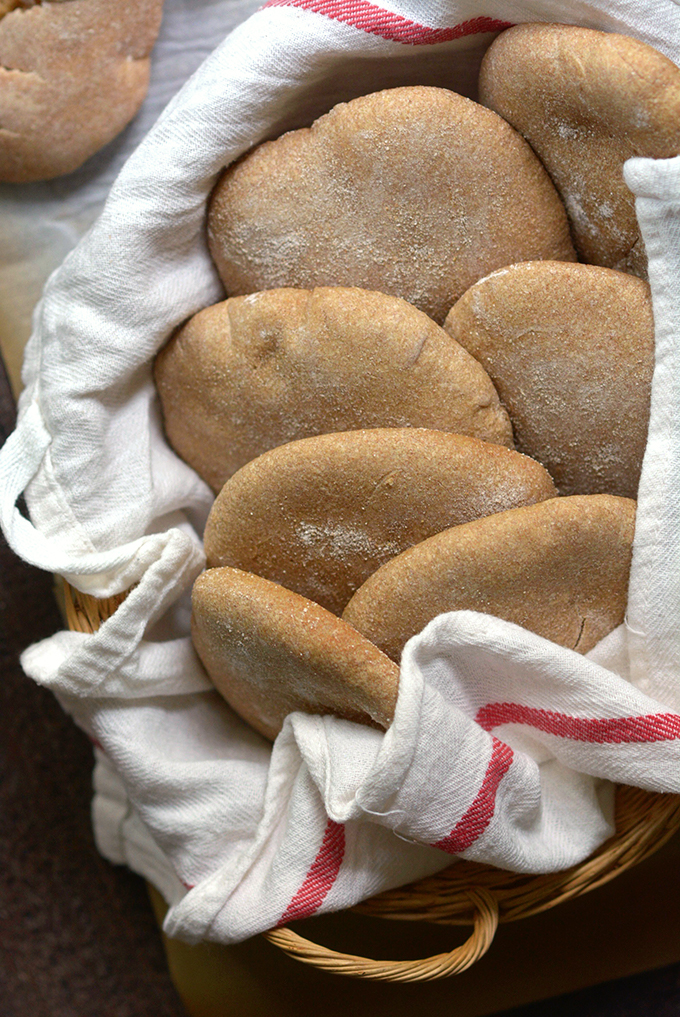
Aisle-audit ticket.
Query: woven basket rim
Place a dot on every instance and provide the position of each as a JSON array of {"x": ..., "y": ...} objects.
[{"x": 465, "y": 892}]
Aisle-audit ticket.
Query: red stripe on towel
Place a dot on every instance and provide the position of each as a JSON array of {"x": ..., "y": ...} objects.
[
  {"x": 393, "y": 27},
  {"x": 475, "y": 820},
  {"x": 655, "y": 727},
  {"x": 321, "y": 876}
]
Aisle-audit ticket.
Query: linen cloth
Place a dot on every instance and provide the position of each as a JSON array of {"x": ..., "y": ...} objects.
[
  {"x": 41, "y": 222},
  {"x": 503, "y": 744}
]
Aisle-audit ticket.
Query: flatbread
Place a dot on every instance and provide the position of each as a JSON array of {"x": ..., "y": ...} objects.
[
  {"x": 270, "y": 652},
  {"x": 321, "y": 514},
  {"x": 559, "y": 569},
  {"x": 570, "y": 349},
  {"x": 254, "y": 372},
  {"x": 72, "y": 75},
  {"x": 586, "y": 101},
  {"x": 416, "y": 192}
]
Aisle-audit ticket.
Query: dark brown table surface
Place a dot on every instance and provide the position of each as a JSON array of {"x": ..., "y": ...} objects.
[{"x": 77, "y": 935}]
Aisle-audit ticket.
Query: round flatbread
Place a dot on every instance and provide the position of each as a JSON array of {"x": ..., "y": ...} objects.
[
  {"x": 72, "y": 75},
  {"x": 255, "y": 372},
  {"x": 559, "y": 569},
  {"x": 321, "y": 514},
  {"x": 570, "y": 349},
  {"x": 586, "y": 101},
  {"x": 416, "y": 192},
  {"x": 270, "y": 652}
]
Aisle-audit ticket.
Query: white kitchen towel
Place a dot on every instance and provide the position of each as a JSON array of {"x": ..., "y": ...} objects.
[
  {"x": 41, "y": 222},
  {"x": 503, "y": 743}
]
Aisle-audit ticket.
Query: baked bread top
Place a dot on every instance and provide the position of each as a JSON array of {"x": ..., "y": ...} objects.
[
  {"x": 254, "y": 372},
  {"x": 559, "y": 568},
  {"x": 321, "y": 514},
  {"x": 416, "y": 192},
  {"x": 570, "y": 349},
  {"x": 73, "y": 73},
  {"x": 270, "y": 652},
  {"x": 586, "y": 101}
]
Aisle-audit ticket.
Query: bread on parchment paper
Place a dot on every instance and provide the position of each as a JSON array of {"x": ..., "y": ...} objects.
[{"x": 73, "y": 73}]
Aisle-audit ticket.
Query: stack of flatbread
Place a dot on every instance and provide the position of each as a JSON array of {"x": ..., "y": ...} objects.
[{"x": 429, "y": 387}]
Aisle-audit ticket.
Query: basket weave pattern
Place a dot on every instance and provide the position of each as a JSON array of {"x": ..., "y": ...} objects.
[{"x": 466, "y": 892}]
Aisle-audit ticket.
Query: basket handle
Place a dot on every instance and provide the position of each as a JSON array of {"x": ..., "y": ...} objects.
[{"x": 428, "y": 969}]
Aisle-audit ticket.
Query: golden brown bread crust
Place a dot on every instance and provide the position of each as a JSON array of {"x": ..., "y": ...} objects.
[
  {"x": 570, "y": 349},
  {"x": 416, "y": 192},
  {"x": 321, "y": 514},
  {"x": 8, "y": 5},
  {"x": 270, "y": 652},
  {"x": 586, "y": 101},
  {"x": 72, "y": 75},
  {"x": 559, "y": 569},
  {"x": 254, "y": 372}
]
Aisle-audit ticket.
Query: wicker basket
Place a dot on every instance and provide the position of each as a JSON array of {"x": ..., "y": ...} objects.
[{"x": 466, "y": 892}]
